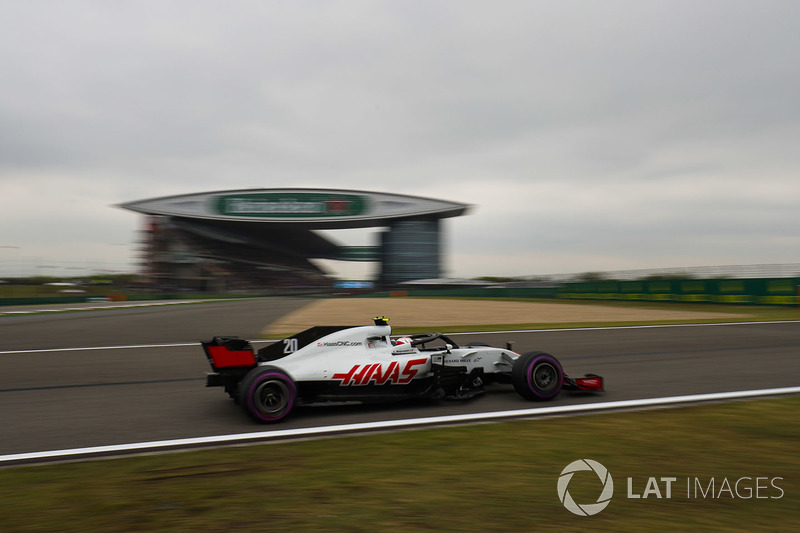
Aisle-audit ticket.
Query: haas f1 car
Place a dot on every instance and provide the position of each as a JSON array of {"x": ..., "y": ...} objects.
[{"x": 339, "y": 363}]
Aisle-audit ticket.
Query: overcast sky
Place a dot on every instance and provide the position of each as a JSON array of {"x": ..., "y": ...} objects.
[{"x": 590, "y": 135}]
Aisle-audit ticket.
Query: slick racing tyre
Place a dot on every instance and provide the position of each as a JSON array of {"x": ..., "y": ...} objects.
[
  {"x": 267, "y": 394},
  {"x": 537, "y": 376}
]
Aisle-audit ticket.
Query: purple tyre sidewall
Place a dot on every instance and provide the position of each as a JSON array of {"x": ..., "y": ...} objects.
[
  {"x": 270, "y": 376},
  {"x": 529, "y": 375}
]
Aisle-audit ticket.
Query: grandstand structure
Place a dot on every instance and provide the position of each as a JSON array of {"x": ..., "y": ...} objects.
[{"x": 262, "y": 239}]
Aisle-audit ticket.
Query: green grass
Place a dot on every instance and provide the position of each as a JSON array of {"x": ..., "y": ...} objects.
[{"x": 490, "y": 477}]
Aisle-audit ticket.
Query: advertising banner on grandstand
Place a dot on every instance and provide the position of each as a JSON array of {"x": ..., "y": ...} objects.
[{"x": 291, "y": 205}]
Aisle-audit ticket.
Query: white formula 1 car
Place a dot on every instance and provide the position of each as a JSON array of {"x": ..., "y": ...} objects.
[{"x": 338, "y": 363}]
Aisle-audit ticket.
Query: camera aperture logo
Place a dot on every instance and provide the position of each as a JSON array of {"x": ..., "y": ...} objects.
[{"x": 587, "y": 509}]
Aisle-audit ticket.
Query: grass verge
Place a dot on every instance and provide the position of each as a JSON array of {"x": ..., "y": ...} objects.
[{"x": 498, "y": 477}]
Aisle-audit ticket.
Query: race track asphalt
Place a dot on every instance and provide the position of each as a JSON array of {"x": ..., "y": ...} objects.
[{"x": 53, "y": 400}]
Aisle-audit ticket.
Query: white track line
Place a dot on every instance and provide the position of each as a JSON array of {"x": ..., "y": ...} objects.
[
  {"x": 100, "y": 307},
  {"x": 654, "y": 326},
  {"x": 133, "y": 346},
  {"x": 651, "y": 326},
  {"x": 124, "y": 347},
  {"x": 390, "y": 424}
]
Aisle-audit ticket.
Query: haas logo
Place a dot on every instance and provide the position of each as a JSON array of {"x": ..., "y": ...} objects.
[{"x": 377, "y": 374}]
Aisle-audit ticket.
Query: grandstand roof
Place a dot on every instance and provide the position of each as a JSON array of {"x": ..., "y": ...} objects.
[{"x": 307, "y": 208}]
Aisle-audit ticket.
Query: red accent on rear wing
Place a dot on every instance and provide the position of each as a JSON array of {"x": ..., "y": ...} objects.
[{"x": 221, "y": 356}]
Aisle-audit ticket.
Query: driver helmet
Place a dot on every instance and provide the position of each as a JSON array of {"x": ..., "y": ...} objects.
[{"x": 403, "y": 341}]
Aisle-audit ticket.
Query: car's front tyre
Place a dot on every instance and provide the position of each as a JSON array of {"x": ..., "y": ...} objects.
[
  {"x": 267, "y": 394},
  {"x": 537, "y": 376}
]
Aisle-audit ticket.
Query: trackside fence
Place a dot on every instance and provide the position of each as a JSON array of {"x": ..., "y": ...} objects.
[{"x": 753, "y": 291}]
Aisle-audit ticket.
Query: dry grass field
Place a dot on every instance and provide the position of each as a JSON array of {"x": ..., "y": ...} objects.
[{"x": 426, "y": 313}]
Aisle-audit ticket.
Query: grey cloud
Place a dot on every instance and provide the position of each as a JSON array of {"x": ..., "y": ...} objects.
[{"x": 617, "y": 98}]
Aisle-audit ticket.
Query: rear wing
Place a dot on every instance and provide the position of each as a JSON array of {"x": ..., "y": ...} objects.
[{"x": 229, "y": 352}]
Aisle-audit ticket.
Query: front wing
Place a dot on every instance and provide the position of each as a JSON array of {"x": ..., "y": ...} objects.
[{"x": 587, "y": 383}]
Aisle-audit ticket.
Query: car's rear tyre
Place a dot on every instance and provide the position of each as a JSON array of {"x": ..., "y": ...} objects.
[
  {"x": 267, "y": 394},
  {"x": 537, "y": 376}
]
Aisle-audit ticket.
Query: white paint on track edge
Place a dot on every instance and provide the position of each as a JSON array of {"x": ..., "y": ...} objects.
[
  {"x": 644, "y": 326},
  {"x": 276, "y": 435},
  {"x": 102, "y": 307},
  {"x": 552, "y": 330}
]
